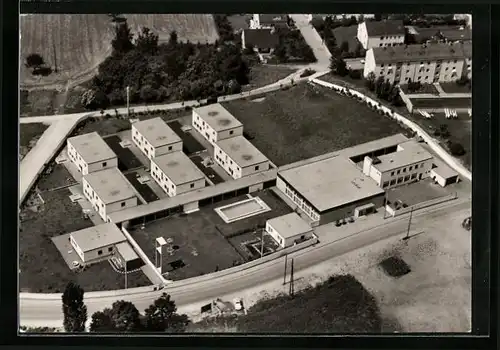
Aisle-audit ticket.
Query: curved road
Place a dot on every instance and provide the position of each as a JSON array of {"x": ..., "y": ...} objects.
[{"x": 35, "y": 310}]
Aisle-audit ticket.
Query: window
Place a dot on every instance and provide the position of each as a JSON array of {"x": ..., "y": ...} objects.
[
  {"x": 404, "y": 170},
  {"x": 169, "y": 148},
  {"x": 172, "y": 186},
  {"x": 123, "y": 204},
  {"x": 392, "y": 173},
  {"x": 382, "y": 65},
  {"x": 110, "y": 249},
  {"x": 257, "y": 167},
  {"x": 413, "y": 176},
  {"x": 407, "y": 178},
  {"x": 192, "y": 185},
  {"x": 231, "y": 132},
  {"x": 393, "y": 182},
  {"x": 399, "y": 172},
  {"x": 99, "y": 252},
  {"x": 385, "y": 184},
  {"x": 409, "y": 169},
  {"x": 400, "y": 179}
]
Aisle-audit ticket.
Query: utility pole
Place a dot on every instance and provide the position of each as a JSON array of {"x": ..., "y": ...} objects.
[
  {"x": 291, "y": 280},
  {"x": 128, "y": 101},
  {"x": 385, "y": 204},
  {"x": 125, "y": 275},
  {"x": 284, "y": 275},
  {"x": 409, "y": 224},
  {"x": 55, "y": 56},
  {"x": 262, "y": 243}
]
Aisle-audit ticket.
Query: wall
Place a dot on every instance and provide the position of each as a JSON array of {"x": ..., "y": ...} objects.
[
  {"x": 94, "y": 199},
  {"x": 363, "y": 35},
  {"x": 203, "y": 128},
  {"x": 222, "y": 159},
  {"x": 162, "y": 180},
  {"x": 421, "y": 205},
  {"x": 173, "y": 147},
  {"x": 370, "y": 65},
  {"x": 297, "y": 199},
  {"x": 348, "y": 210},
  {"x": 393, "y": 175},
  {"x": 191, "y": 207},
  {"x": 276, "y": 236},
  {"x": 183, "y": 188},
  {"x": 117, "y": 206},
  {"x": 97, "y": 166},
  {"x": 226, "y": 134},
  {"x": 249, "y": 170},
  {"x": 75, "y": 157},
  {"x": 290, "y": 241},
  {"x": 389, "y": 40},
  {"x": 141, "y": 142},
  {"x": 255, "y": 188},
  {"x": 94, "y": 254}
]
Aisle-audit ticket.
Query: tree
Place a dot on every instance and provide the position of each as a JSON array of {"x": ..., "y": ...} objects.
[
  {"x": 338, "y": 66},
  {"x": 162, "y": 316},
  {"x": 370, "y": 81},
  {"x": 124, "y": 316},
  {"x": 355, "y": 74},
  {"x": 34, "y": 60},
  {"x": 361, "y": 18},
  {"x": 233, "y": 87},
  {"x": 456, "y": 149},
  {"x": 74, "y": 310},
  {"x": 102, "y": 322},
  {"x": 147, "y": 41},
  {"x": 172, "y": 41},
  {"x": 379, "y": 83},
  {"x": 148, "y": 94},
  {"x": 122, "y": 43},
  {"x": 377, "y": 17},
  {"x": 344, "y": 47}
]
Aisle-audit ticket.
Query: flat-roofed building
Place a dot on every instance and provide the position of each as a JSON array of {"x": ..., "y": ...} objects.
[
  {"x": 239, "y": 158},
  {"x": 97, "y": 242},
  {"x": 215, "y": 123},
  {"x": 443, "y": 174},
  {"x": 128, "y": 257},
  {"x": 109, "y": 191},
  {"x": 289, "y": 229},
  {"x": 410, "y": 163},
  {"x": 176, "y": 173},
  {"x": 155, "y": 138},
  {"x": 426, "y": 63},
  {"x": 329, "y": 189},
  {"x": 90, "y": 153},
  {"x": 381, "y": 33}
]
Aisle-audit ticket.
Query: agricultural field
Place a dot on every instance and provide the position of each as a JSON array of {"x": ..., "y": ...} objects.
[
  {"x": 77, "y": 43},
  {"x": 305, "y": 121},
  {"x": 29, "y": 134}
]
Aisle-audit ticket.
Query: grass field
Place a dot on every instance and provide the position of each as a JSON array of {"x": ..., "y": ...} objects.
[
  {"x": 348, "y": 34},
  {"x": 38, "y": 102},
  {"x": 29, "y": 135},
  {"x": 262, "y": 75},
  {"x": 306, "y": 121},
  {"x": 424, "y": 89},
  {"x": 42, "y": 267},
  {"x": 453, "y": 88},
  {"x": 200, "y": 237},
  {"x": 77, "y": 43}
]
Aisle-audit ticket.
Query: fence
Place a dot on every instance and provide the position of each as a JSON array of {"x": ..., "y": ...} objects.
[{"x": 393, "y": 212}]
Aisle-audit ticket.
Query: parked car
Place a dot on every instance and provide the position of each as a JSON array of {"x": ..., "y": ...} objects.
[
  {"x": 238, "y": 304},
  {"x": 351, "y": 219},
  {"x": 338, "y": 223}
]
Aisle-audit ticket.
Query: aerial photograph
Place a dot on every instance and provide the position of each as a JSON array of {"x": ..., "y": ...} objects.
[{"x": 245, "y": 173}]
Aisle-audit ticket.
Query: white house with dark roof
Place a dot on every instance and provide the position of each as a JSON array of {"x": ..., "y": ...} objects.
[
  {"x": 381, "y": 33},
  {"x": 155, "y": 138},
  {"x": 109, "y": 191},
  {"x": 176, "y": 173},
  {"x": 90, "y": 153},
  {"x": 239, "y": 158},
  {"x": 215, "y": 123}
]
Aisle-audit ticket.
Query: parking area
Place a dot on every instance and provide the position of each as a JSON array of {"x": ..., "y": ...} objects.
[
  {"x": 143, "y": 188},
  {"x": 126, "y": 159},
  {"x": 418, "y": 192},
  {"x": 208, "y": 171},
  {"x": 200, "y": 242},
  {"x": 190, "y": 144}
]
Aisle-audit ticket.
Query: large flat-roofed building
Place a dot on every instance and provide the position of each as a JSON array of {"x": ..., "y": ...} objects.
[
  {"x": 289, "y": 229},
  {"x": 381, "y": 33},
  {"x": 426, "y": 63},
  {"x": 239, "y": 158},
  {"x": 109, "y": 191},
  {"x": 90, "y": 153},
  {"x": 97, "y": 242},
  {"x": 215, "y": 123},
  {"x": 155, "y": 138},
  {"x": 329, "y": 189},
  {"x": 410, "y": 163},
  {"x": 176, "y": 173}
]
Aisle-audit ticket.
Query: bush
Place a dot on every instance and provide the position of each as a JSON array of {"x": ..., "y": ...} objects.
[
  {"x": 355, "y": 74},
  {"x": 457, "y": 149}
]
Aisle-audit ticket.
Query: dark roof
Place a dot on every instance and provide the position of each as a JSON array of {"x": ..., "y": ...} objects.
[
  {"x": 450, "y": 33},
  {"x": 442, "y": 102},
  {"x": 425, "y": 52},
  {"x": 269, "y": 18},
  {"x": 386, "y": 27},
  {"x": 261, "y": 38}
]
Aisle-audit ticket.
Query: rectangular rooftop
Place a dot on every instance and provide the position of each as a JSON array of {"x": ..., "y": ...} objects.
[
  {"x": 98, "y": 236},
  {"x": 242, "y": 151},
  {"x": 179, "y": 168},
  {"x": 289, "y": 225},
  {"x": 92, "y": 148},
  {"x": 110, "y": 185},
  {"x": 218, "y": 117},
  {"x": 410, "y": 153},
  {"x": 157, "y": 132},
  {"x": 424, "y": 52}
]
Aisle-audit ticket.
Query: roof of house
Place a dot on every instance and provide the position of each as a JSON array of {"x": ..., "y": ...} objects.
[
  {"x": 443, "y": 170},
  {"x": 424, "y": 52},
  {"x": 269, "y": 18},
  {"x": 157, "y": 132},
  {"x": 91, "y": 147},
  {"x": 241, "y": 151},
  {"x": 442, "y": 102},
  {"x": 449, "y": 33},
  {"x": 99, "y": 236},
  {"x": 126, "y": 251},
  {"x": 385, "y": 27},
  {"x": 110, "y": 185},
  {"x": 260, "y": 38},
  {"x": 330, "y": 183},
  {"x": 410, "y": 153},
  {"x": 217, "y": 117},
  {"x": 289, "y": 225},
  {"x": 178, "y": 168}
]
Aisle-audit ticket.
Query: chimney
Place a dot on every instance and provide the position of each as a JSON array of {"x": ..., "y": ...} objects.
[{"x": 367, "y": 165}]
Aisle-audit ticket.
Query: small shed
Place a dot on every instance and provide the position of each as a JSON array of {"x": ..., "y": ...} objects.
[
  {"x": 289, "y": 229},
  {"x": 128, "y": 256},
  {"x": 443, "y": 174}
]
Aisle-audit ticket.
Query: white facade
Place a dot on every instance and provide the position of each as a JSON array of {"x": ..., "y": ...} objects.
[
  {"x": 215, "y": 123},
  {"x": 90, "y": 153},
  {"x": 95, "y": 254},
  {"x": 155, "y": 138},
  {"x": 288, "y": 230},
  {"x": 97, "y": 242},
  {"x": 298, "y": 200},
  {"x": 369, "y": 42}
]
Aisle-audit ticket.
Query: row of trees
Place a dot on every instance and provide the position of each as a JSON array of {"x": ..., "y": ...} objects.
[
  {"x": 171, "y": 71},
  {"x": 384, "y": 89},
  {"x": 122, "y": 316}
]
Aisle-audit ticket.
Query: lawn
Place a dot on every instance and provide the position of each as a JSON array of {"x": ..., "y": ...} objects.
[
  {"x": 103, "y": 125},
  {"x": 39, "y": 102},
  {"x": 305, "y": 121},
  {"x": 262, "y": 75},
  {"x": 424, "y": 89},
  {"x": 454, "y": 88},
  {"x": 30, "y": 131},
  {"x": 451, "y": 103},
  {"x": 198, "y": 238},
  {"x": 42, "y": 267},
  {"x": 55, "y": 176},
  {"x": 348, "y": 34},
  {"x": 78, "y": 43},
  {"x": 144, "y": 190}
]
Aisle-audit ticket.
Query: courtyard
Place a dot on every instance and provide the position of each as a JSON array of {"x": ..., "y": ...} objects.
[
  {"x": 306, "y": 121},
  {"x": 202, "y": 242},
  {"x": 418, "y": 192}
]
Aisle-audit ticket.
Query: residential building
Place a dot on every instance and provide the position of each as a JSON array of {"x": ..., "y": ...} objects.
[
  {"x": 440, "y": 34},
  {"x": 90, "y": 153},
  {"x": 267, "y": 21},
  {"x": 215, "y": 123},
  {"x": 176, "y": 174},
  {"x": 155, "y": 138},
  {"x": 261, "y": 40},
  {"x": 381, "y": 33},
  {"x": 109, "y": 191},
  {"x": 329, "y": 189},
  {"x": 426, "y": 63},
  {"x": 239, "y": 158},
  {"x": 289, "y": 229},
  {"x": 410, "y": 163},
  {"x": 96, "y": 243}
]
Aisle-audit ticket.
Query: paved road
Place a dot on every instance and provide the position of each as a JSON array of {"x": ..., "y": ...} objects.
[{"x": 35, "y": 311}]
